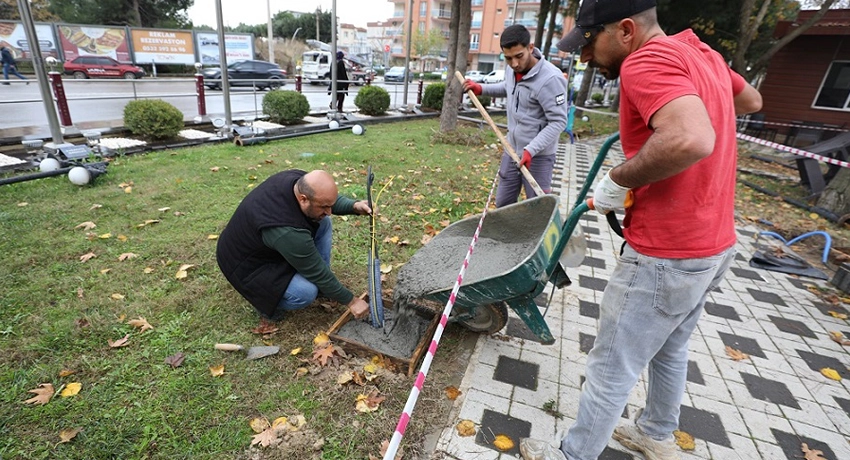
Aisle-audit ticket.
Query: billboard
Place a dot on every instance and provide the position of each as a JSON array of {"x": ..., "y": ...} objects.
[
  {"x": 94, "y": 41},
  {"x": 162, "y": 46},
  {"x": 12, "y": 36},
  {"x": 239, "y": 47}
]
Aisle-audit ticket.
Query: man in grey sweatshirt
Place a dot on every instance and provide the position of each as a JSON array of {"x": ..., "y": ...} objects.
[{"x": 536, "y": 94}]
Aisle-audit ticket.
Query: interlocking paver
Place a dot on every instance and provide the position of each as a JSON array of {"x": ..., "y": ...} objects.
[{"x": 762, "y": 407}]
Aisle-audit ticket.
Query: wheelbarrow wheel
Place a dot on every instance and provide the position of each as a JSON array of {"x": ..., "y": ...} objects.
[{"x": 487, "y": 318}]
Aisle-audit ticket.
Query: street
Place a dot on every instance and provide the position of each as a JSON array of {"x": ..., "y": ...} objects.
[{"x": 93, "y": 103}]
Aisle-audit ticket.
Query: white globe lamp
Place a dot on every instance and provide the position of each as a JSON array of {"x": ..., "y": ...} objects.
[
  {"x": 48, "y": 165},
  {"x": 79, "y": 175},
  {"x": 333, "y": 124},
  {"x": 358, "y": 130}
]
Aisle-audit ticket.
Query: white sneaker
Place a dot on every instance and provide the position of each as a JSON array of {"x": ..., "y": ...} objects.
[
  {"x": 535, "y": 449},
  {"x": 632, "y": 437}
]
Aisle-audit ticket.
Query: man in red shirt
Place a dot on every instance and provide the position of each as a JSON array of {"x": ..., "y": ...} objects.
[{"x": 678, "y": 101}]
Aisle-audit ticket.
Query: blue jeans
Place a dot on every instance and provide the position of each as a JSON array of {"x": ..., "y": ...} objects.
[
  {"x": 9, "y": 68},
  {"x": 300, "y": 293},
  {"x": 510, "y": 178},
  {"x": 648, "y": 312}
]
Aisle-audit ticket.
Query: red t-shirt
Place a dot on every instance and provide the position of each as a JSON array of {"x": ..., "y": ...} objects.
[{"x": 691, "y": 214}]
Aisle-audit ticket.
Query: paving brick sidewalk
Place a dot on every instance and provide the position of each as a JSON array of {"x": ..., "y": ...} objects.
[{"x": 764, "y": 407}]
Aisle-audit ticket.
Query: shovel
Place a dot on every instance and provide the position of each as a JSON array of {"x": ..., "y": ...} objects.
[
  {"x": 376, "y": 302},
  {"x": 253, "y": 352}
]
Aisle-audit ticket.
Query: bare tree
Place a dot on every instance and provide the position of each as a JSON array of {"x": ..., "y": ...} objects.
[
  {"x": 458, "y": 50},
  {"x": 553, "y": 16},
  {"x": 545, "y": 5}
]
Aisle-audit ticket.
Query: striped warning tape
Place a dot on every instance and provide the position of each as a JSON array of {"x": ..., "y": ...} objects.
[
  {"x": 793, "y": 150},
  {"x": 432, "y": 349},
  {"x": 793, "y": 125}
]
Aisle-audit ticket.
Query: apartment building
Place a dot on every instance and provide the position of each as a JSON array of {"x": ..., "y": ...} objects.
[
  {"x": 489, "y": 18},
  {"x": 353, "y": 40}
]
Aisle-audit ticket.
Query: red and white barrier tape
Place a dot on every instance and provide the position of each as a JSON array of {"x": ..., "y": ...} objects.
[
  {"x": 792, "y": 125},
  {"x": 438, "y": 333},
  {"x": 793, "y": 150}
]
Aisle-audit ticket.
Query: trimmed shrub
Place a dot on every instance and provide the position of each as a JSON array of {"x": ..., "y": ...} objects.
[
  {"x": 485, "y": 100},
  {"x": 597, "y": 98},
  {"x": 372, "y": 100},
  {"x": 433, "y": 97},
  {"x": 285, "y": 106},
  {"x": 153, "y": 118}
]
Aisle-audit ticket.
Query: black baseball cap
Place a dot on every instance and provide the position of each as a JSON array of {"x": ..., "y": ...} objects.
[{"x": 594, "y": 14}]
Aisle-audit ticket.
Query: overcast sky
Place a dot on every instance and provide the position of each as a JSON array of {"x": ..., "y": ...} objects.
[{"x": 357, "y": 12}]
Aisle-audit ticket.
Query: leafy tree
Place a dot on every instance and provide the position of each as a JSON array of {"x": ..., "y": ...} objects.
[
  {"x": 39, "y": 8},
  {"x": 427, "y": 44},
  {"x": 138, "y": 13}
]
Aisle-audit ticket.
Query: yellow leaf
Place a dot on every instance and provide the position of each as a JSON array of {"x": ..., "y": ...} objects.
[
  {"x": 88, "y": 225},
  {"x": 117, "y": 297},
  {"x": 85, "y": 257},
  {"x": 503, "y": 443},
  {"x": 452, "y": 393},
  {"x": 121, "y": 318},
  {"x": 22, "y": 204},
  {"x": 259, "y": 424},
  {"x": 105, "y": 271},
  {"x": 386, "y": 268},
  {"x": 148, "y": 270},
  {"x": 126, "y": 256},
  {"x": 105, "y": 236},
  {"x": 140, "y": 322},
  {"x": 465, "y": 428},
  {"x": 279, "y": 423},
  {"x": 838, "y": 315},
  {"x": 737, "y": 355},
  {"x": 217, "y": 371},
  {"x": 684, "y": 440},
  {"x": 181, "y": 274},
  {"x": 344, "y": 378},
  {"x": 66, "y": 372},
  {"x": 301, "y": 371},
  {"x": 42, "y": 394},
  {"x": 295, "y": 351},
  {"x": 212, "y": 237},
  {"x": 186, "y": 266},
  {"x": 813, "y": 216},
  {"x": 164, "y": 209},
  {"x": 370, "y": 368},
  {"x": 830, "y": 373},
  {"x": 71, "y": 389},
  {"x": 121, "y": 238},
  {"x": 320, "y": 339},
  {"x": 68, "y": 434},
  {"x": 295, "y": 423},
  {"x": 128, "y": 189}
]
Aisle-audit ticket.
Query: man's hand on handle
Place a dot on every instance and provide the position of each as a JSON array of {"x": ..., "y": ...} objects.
[
  {"x": 362, "y": 208},
  {"x": 525, "y": 160},
  {"x": 610, "y": 196},
  {"x": 359, "y": 308},
  {"x": 469, "y": 85}
]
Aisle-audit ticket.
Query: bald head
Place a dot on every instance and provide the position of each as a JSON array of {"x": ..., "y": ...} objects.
[{"x": 316, "y": 192}]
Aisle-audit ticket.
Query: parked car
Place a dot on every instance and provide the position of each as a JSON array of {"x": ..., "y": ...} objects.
[
  {"x": 260, "y": 74},
  {"x": 82, "y": 67},
  {"x": 495, "y": 76},
  {"x": 476, "y": 76},
  {"x": 397, "y": 74}
]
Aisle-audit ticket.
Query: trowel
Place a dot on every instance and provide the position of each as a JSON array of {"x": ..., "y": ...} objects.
[{"x": 253, "y": 352}]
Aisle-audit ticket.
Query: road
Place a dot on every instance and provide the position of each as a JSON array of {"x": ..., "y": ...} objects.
[{"x": 100, "y": 103}]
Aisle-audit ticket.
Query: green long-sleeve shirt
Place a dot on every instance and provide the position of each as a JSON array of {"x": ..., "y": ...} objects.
[{"x": 296, "y": 245}]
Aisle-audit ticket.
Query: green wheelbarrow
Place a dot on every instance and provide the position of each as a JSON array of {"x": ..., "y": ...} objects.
[{"x": 519, "y": 251}]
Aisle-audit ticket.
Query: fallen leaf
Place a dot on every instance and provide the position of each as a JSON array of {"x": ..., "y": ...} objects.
[
  {"x": 122, "y": 342},
  {"x": 320, "y": 339},
  {"x": 385, "y": 446},
  {"x": 430, "y": 230},
  {"x": 105, "y": 236},
  {"x": 81, "y": 322},
  {"x": 503, "y": 443},
  {"x": 71, "y": 389},
  {"x": 426, "y": 239},
  {"x": 295, "y": 351},
  {"x": 66, "y": 372},
  {"x": 121, "y": 238},
  {"x": 164, "y": 209},
  {"x": 85, "y": 257},
  {"x": 301, "y": 372},
  {"x": 737, "y": 355},
  {"x": 329, "y": 352},
  {"x": 465, "y": 428},
  {"x": 386, "y": 268},
  {"x": 260, "y": 424},
  {"x": 344, "y": 378},
  {"x": 42, "y": 394},
  {"x": 265, "y": 438},
  {"x": 445, "y": 223},
  {"x": 684, "y": 440},
  {"x": 216, "y": 169},
  {"x": 121, "y": 318},
  {"x": 265, "y": 327},
  {"x": 80, "y": 293},
  {"x": 452, "y": 393},
  {"x": 811, "y": 454},
  {"x": 212, "y": 237},
  {"x": 140, "y": 322},
  {"x": 126, "y": 256},
  {"x": 117, "y": 296},
  {"x": 128, "y": 189},
  {"x": 217, "y": 371},
  {"x": 838, "y": 315},
  {"x": 148, "y": 270},
  {"x": 830, "y": 373},
  {"x": 295, "y": 423},
  {"x": 370, "y": 368},
  {"x": 369, "y": 403},
  {"x": 88, "y": 225},
  {"x": 95, "y": 206},
  {"x": 175, "y": 360},
  {"x": 68, "y": 434},
  {"x": 105, "y": 271},
  {"x": 181, "y": 274},
  {"x": 838, "y": 338},
  {"x": 279, "y": 423}
]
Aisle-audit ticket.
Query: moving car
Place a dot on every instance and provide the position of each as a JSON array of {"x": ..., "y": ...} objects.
[
  {"x": 476, "y": 76},
  {"x": 397, "y": 74},
  {"x": 260, "y": 74},
  {"x": 82, "y": 67},
  {"x": 495, "y": 76}
]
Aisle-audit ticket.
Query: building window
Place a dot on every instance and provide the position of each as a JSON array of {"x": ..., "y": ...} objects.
[
  {"x": 422, "y": 27},
  {"x": 423, "y": 9},
  {"x": 834, "y": 92},
  {"x": 476, "y": 19},
  {"x": 473, "y": 41},
  {"x": 477, "y": 2}
]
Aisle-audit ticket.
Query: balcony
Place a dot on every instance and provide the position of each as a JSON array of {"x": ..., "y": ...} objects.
[
  {"x": 529, "y": 23},
  {"x": 477, "y": 3},
  {"x": 441, "y": 14},
  {"x": 473, "y": 46},
  {"x": 476, "y": 24}
]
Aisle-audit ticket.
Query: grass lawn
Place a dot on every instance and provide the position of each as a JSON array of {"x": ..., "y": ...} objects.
[{"x": 69, "y": 291}]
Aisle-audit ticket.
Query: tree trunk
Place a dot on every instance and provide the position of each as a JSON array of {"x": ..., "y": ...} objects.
[
  {"x": 553, "y": 16},
  {"x": 541, "y": 21},
  {"x": 836, "y": 196},
  {"x": 747, "y": 30},
  {"x": 137, "y": 15},
  {"x": 461, "y": 23},
  {"x": 586, "y": 84}
]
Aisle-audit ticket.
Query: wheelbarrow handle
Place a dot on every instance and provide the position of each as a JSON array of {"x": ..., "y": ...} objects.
[{"x": 611, "y": 217}]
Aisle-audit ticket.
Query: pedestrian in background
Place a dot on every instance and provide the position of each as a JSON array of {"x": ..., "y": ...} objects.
[
  {"x": 678, "y": 102},
  {"x": 9, "y": 65},
  {"x": 341, "y": 82},
  {"x": 536, "y": 100}
]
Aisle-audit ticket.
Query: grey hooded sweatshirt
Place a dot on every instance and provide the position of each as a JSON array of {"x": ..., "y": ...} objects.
[{"x": 536, "y": 105}]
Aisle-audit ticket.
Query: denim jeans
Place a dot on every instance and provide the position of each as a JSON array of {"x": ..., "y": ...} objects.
[
  {"x": 9, "y": 68},
  {"x": 648, "y": 312},
  {"x": 510, "y": 178},
  {"x": 300, "y": 293}
]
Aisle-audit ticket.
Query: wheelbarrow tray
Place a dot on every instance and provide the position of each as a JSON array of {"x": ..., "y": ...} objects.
[{"x": 510, "y": 258}]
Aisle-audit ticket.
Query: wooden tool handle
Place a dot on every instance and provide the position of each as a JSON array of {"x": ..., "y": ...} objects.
[
  {"x": 508, "y": 147},
  {"x": 228, "y": 347}
]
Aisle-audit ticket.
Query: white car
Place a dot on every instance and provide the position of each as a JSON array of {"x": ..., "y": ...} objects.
[
  {"x": 495, "y": 76},
  {"x": 475, "y": 76}
]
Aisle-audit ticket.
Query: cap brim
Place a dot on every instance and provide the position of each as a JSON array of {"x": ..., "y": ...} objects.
[{"x": 574, "y": 40}]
